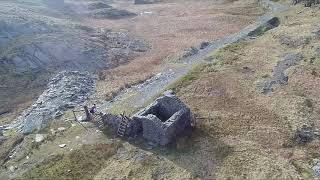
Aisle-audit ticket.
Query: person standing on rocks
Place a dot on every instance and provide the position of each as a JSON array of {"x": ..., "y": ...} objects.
[{"x": 93, "y": 109}]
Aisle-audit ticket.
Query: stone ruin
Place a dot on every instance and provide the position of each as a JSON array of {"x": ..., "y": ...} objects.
[{"x": 160, "y": 123}]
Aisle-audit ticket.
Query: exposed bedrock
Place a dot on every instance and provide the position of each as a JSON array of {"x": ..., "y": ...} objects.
[{"x": 279, "y": 76}]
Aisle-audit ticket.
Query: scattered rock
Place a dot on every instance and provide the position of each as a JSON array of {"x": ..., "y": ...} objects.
[
  {"x": 53, "y": 132},
  {"x": 247, "y": 70},
  {"x": 203, "y": 45},
  {"x": 190, "y": 52},
  {"x": 317, "y": 33},
  {"x": 168, "y": 92},
  {"x": 61, "y": 129},
  {"x": 318, "y": 51},
  {"x": 12, "y": 169},
  {"x": 316, "y": 169},
  {"x": 62, "y": 145},
  {"x": 39, "y": 138},
  {"x": 295, "y": 42},
  {"x": 304, "y": 135},
  {"x": 122, "y": 153},
  {"x": 309, "y": 3},
  {"x": 2, "y": 139},
  {"x": 151, "y": 145},
  {"x": 140, "y": 157}
]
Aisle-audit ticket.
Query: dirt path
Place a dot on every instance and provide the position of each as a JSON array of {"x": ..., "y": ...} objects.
[{"x": 135, "y": 97}]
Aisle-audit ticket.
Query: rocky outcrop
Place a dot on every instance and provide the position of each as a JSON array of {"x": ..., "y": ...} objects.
[
  {"x": 279, "y": 76},
  {"x": 295, "y": 42},
  {"x": 66, "y": 90}
]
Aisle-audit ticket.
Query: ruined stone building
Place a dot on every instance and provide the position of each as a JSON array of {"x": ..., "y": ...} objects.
[{"x": 159, "y": 123}]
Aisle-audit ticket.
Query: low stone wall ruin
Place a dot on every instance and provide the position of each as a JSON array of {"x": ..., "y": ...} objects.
[{"x": 159, "y": 123}]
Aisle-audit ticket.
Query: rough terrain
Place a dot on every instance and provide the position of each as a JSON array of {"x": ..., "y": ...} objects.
[
  {"x": 39, "y": 38},
  {"x": 256, "y": 102}
]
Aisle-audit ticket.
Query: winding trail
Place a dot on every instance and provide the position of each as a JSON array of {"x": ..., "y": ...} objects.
[{"x": 137, "y": 96}]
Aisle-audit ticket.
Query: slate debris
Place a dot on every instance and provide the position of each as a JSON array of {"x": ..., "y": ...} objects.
[{"x": 66, "y": 90}]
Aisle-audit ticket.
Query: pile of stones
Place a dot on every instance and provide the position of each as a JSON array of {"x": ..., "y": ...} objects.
[{"x": 66, "y": 90}]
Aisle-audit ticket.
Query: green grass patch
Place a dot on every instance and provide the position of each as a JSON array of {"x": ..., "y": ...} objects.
[
  {"x": 8, "y": 145},
  {"x": 83, "y": 163},
  {"x": 189, "y": 78}
]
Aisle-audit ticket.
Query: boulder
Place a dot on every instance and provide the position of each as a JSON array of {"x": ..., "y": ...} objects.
[
  {"x": 39, "y": 138},
  {"x": 203, "y": 45}
]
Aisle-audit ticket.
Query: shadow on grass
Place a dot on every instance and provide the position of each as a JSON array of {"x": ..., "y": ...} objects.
[{"x": 197, "y": 151}]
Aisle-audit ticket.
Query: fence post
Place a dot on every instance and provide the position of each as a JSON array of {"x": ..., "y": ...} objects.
[{"x": 88, "y": 115}]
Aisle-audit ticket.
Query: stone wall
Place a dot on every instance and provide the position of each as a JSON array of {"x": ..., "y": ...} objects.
[
  {"x": 111, "y": 120},
  {"x": 163, "y": 120}
]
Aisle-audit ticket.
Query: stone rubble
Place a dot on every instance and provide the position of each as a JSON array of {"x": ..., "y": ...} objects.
[{"x": 66, "y": 90}]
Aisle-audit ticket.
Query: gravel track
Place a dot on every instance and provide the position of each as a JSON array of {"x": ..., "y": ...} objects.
[{"x": 140, "y": 94}]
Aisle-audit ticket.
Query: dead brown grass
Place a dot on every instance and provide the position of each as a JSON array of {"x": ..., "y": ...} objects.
[
  {"x": 172, "y": 27},
  {"x": 259, "y": 128}
]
